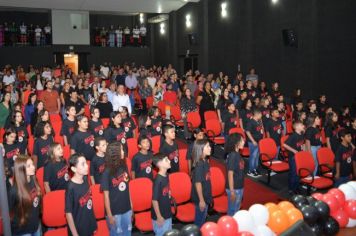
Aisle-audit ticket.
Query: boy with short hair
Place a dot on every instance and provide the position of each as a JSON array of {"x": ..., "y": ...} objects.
[
  {"x": 142, "y": 161},
  {"x": 295, "y": 143},
  {"x": 169, "y": 147},
  {"x": 345, "y": 159},
  {"x": 161, "y": 196},
  {"x": 274, "y": 128},
  {"x": 97, "y": 164},
  {"x": 254, "y": 132},
  {"x": 68, "y": 125},
  {"x": 230, "y": 118}
]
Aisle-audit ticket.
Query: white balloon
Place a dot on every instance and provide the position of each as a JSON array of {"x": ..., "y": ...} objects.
[
  {"x": 352, "y": 184},
  {"x": 349, "y": 191},
  {"x": 264, "y": 230},
  {"x": 244, "y": 221},
  {"x": 351, "y": 224},
  {"x": 259, "y": 214}
]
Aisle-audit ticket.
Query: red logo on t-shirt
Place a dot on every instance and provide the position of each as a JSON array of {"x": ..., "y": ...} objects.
[
  {"x": 145, "y": 164},
  {"x": 85, "y": 198},
  {"x": 62, "y": 172},
  {"x": 317, "y": 136},
  {"x": 21, "y": 133},
  {"x": 71, "y": 130},
  {"x": 89, "y": 140},
  {"x": 300, "y": 143},
  {"x": 174, "y": 156},
  {"x": 242, "y": 165},
  {"x": 124, "y": 177},
  {"x": 249, "y": 115},
  {"x": 44, "y": 150},
  {"x": 158, "y": 124},
  {"x": 208, "y": 176},
  {"x": 166, "y": 190},
  {"x": 101, "y": 168},
  {"x": 346, "y": 155},
  {"x": 13, "y": 153},
  {"x": 120, "y": 136},
  {"x": 97, "y": 129},
  {"x": 127, "y": 124}
]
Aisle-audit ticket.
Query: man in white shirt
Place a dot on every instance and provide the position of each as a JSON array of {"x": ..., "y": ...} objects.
[
  {"x": 8, "y": 78},
  {"x": 151, "y": 79},
  {"x": 47, "y": 73},
  {"x": 121, "y": 99},
  {"x": 104, "y": 69}
]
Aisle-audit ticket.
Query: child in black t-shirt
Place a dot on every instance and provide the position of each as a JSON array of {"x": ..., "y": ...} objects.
[
  {"x": 245, "y": 113},
  {"x": 82, "y": 140},
  {"x": 345, "y": 159},
  {"x": 235, "y": 166},
  {"x": 331, "y": 131},
  {"x": 115, "y": 185},
  {"x": 11, "y": 148},
  {"x": 230, "y": 118},
  {"x": 25, "y": 199},
  {"x": 42, "y": 143},
  {"x": 274, "y": 128},
  {"x": 115, "y": 132},
  {"x": 97, "y": 164},
  {"x": 144, "y": 125},
  {"x": 353, "y": 130},
  {"x": 313, "y": 138},
  {"x": 18, "y": 124},
  {"x": 198, "y": 134},
  {"x": 161, "y": 196},
  {"x": 68, "y": 124},
  {"x": 264, "y": 108},
  {"x": 56, "y": 170},
  {"x": 254, "y": 131},
  {"x": 312, "y": 108},
  {"x": 78, "y": 199},
  {"x": 169, "y": 147},
  {"x": 127, "y": 122},
  {"x": 142, "y": 161},
  {"x": 294, "y": 144},
  {"x": 156, "y": 120},
  {"x": 201, "y": 184},
  {"x": 96, "y": 126},
  {"x": 299, "y": 106}
]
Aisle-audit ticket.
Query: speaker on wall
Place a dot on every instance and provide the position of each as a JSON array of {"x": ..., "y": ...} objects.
[
  {"x": 290, "y": 38},
  {"x": 193, "y": 40}
]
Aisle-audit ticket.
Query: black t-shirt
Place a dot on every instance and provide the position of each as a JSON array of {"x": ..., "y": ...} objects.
[
  {"x": 78, "y": 105},
  {"x": 265, "y": 115},
  {"x": 251, "y": 93},
  {"x": 345, "y": 156},
  {"x": 22, "y": 138},
  {"x": 142, "y": 165},
  {"x": 235, "y": 163},
  {"x": 171, "y": 151},
  {"x": 156, "y": 125},
  {"x": 207, "y": 102},
  {"x": 129, "y": 126},
  {"x": 332, "y": 134},
  {"x": 56, "y": 174},
  {"x": 146, "y": 131},
  {"x": 96, "y": 128},
  {"x": 33, "y": 220},
  {"x": 246, "y": 116},
  {"x": 353, "y": 135},
  {"x": 12, "y": 151},
  {"x": 83, "y": 142},
  {"x": 40, "y": 149},
  {"x": 230, "y": 121},
  {"x": 256, "y": 129},
  {"x": 222, "y": 106},
  {"x": 313, "y": 135},
  {"x": 162, "y": 194},
  {"x": 97, "y": 168},
  {"x": 239, "y": 104},
  {"x": 295, "y": 141},
  {"x": 190, "y": 151},
  {"x": 78, "y": 201},
  {"x": 118, "y": 187},
  {"x": 201, "y": 174},
  {"x": 67, "y": 129},
  {"x": 274, "y": 128},
  {"x": 105, "y": 109},
  {"x": 115, "y": 134}
]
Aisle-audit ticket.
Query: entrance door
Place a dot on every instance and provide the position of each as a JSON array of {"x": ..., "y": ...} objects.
[{"x": 71, "y": 60}]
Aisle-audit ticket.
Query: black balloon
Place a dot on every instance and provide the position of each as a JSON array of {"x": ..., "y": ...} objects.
[
  {"x": 190, "y": 230},
  {"x": 323, "y": 209},
  {"x": 311, "y": 200},
  {"x": 172, "y": 232},
  {"x": 331, "y": 226},
  {"x": 299, "y": 201},
  {"x": 317, "y": 229},
  {"x": 310, "y": 214}
]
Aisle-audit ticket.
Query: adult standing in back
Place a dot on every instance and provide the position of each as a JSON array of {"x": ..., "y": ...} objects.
[{"x": 50, "y": 99}]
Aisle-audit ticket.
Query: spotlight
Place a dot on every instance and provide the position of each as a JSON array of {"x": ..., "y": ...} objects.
[
  {"x": 188, "y": 23},
  {"x": 162, "y": 29},
  {"x": 142, "y": 19},
  {"x": 274, "y": 1},
  {"x": 223, "y": 9}
]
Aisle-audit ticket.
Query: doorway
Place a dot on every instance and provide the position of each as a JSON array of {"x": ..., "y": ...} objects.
[
  {"x": 189, "y": 63},
  {"x": 71, "y": 60}
]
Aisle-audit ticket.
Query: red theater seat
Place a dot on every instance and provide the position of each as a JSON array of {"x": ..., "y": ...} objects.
[
  {"x": 213, "y": 131},
  {"x": 326, "y": 162},
  {"x": 218, "y": 190}
]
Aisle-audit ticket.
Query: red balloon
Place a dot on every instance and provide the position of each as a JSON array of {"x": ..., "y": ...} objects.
[
  {"x": 339, "y": 195},
  {"x": 244, "y": 233},
  {"x": 210, "y": 229},
  {"x": 331, "y": 201},
  {"x": 341, "y": 217},
  {"x": 317, "y": 196},
  {"x": 350, "y": 208},
  {"x": 228, "y": 226}
]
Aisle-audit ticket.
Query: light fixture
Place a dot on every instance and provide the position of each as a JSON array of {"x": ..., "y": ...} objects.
[
  {"x": 188, "y": 23},
  {"x": 274, "y": 1},
  {"x": 159, "y": 9},
  {"x": 162, "y": 29},
  {"x": 223, "y": 9},
  {"x": 142, "y": 19}
]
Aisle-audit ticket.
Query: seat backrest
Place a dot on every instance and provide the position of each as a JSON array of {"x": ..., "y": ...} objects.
[
  {"x": 213, "y": 125},
  {"x": 175, "y": 112},
  {"x": 162, "y": 107},
  {"x": 304, "y": 160},
  {"x": 283, "y": 140},
  {"x": 54, "y": 118},
  {"x": 149, "y": 101},
  {"x": 181, "y": 187},
  {"x": 208, "y": 115},
  {"x": 170, "y": 97},
  {"x": 66, "y": 152},
  {"x": 325, "y": 156},
  {"x": 105, "y": 121},
  {"x": 183, "y": 163},
  {"x": 39, "y": 177},
  {"x": 98, "y": 201},
  {"x": 141, "y": 194},
  {"x": 323, "y": 136},
  {"x": 238, "y": 131},
  {"x": 217, "y": 181},
  {"x": 156, "y": 143},
  {"x": 57, "y": 126},
  {"x": 132, "y": 147},
  {"x": 268, "y": 147},
  {"x": 59, "y": 138},
  {"x": 129, "y": 165},
  {"x": 289, "y": 126},
  {"x": 194, "y": 119},
  {"x": 30, "y": 145},
  {"x": 53, "y": 209},
  {"x": 86, "y": 110}
]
